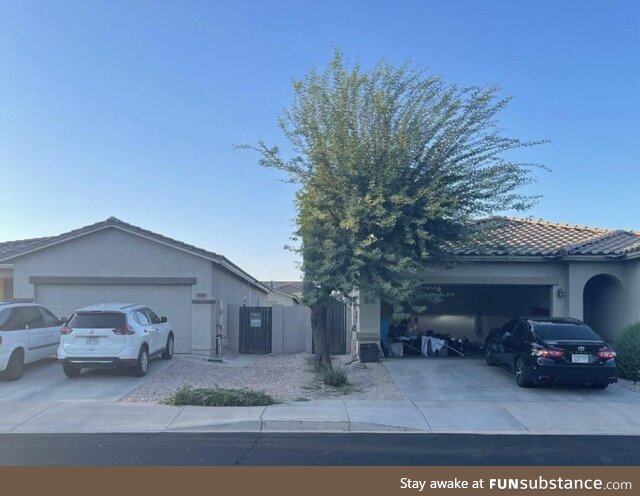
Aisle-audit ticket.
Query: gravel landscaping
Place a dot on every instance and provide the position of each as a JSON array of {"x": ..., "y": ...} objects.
[
  {"x": 284, "y": 377},
  {"x": 630, "y": 385}
]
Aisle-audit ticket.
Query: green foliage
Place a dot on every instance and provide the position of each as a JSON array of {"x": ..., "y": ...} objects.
[
  {"x": 335, "y": 377},
  {"x": 218, "y": 397},
  {"x": 394, "y": 165},
  {"x": 627, "y": 346}
]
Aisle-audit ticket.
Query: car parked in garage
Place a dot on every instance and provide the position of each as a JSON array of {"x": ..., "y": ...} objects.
[
  {"x": 28, "y": 333},
  {"x": 114, "y": 335},
  {"x": 543, "y": 350}
]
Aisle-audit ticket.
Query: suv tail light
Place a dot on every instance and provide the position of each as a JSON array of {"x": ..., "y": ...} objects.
[
  {"x": 123, "y": 330},
  {"x": 64, "y": 330},
  {"x": 606, "y": 353},
  {"x": 547, "y": 353}
]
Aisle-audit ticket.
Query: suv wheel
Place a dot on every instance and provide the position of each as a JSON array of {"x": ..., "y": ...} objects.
[
  {"x": 142, "y": 366},
  {"x": 167, "y": 354},
  {"x": 521, "y": 377},
  {"x": 71, "y": 370},
  {"x": 15, "y": 367}
]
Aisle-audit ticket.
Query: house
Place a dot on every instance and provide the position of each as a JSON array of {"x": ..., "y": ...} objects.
[
  {"x": 524, "y": 267},
  {"x": 285, "y": 293},
  {"x": 115, "y": 261}
]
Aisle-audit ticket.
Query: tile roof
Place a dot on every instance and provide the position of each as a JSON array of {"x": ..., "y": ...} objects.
[
  {"x": 528, "y": 237},
  {"x": 9, "y": 247},
  {"x": 13, "y": 249},
  {"x": 292, "y": 288},
  {"x": 495, "y": 236}
]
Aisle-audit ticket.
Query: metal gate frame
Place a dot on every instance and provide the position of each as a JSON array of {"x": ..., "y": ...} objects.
[
  {"x": 255, "y": 330},
  {"x": 337, "y": 327}
]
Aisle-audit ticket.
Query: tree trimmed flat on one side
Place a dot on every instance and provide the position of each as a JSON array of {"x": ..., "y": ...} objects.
[{"x": 393, "y": 166}]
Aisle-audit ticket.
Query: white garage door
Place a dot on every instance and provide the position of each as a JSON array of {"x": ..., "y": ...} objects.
[{"x": 171, "y": 301}]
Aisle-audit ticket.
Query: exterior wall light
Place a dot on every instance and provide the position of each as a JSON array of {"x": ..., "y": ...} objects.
[{"x": 560, "y": 293}]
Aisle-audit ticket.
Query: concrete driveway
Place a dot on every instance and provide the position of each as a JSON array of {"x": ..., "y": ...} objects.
[
  {"x": 471, "y": 379},
  {"x": 45, "y": 381}
]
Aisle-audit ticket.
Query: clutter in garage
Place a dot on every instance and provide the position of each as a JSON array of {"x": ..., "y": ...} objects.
[
  {"x": 457, "y": 326},
  {"x": 406, "y": 338}
]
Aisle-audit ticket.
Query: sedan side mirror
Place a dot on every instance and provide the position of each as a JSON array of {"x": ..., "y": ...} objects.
[{"x": 163, "y": 320}]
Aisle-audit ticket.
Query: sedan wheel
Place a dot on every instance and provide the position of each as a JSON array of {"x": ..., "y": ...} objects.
[
  {"x": 488, "y": 356},
  {"x": 521, "y": 378}
]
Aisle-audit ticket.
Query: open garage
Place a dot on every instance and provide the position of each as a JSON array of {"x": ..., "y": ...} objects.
[{"x": 466, "y": 314}]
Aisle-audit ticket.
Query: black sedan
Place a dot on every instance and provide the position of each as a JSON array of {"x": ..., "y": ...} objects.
[{"x": 552, "y": 350}]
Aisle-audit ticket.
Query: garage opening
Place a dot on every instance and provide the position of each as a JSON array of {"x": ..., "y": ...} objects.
[{"x": 459, "y": 324}]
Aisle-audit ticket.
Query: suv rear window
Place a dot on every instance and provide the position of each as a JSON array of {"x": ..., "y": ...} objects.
[
  {"x": 97, "y": 320},
  {"x": 566, "y": 332}
]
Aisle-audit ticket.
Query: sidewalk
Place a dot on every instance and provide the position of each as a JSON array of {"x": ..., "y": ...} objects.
[{"x": 550, "y": 417}]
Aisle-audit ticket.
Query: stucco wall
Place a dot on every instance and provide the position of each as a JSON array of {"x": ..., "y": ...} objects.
[
  {"x": 549, "y": 273},
  {"x": 230, "y": 289},
  {"x": 291, "y": 328},
  {"x": 110, "y": 253}
]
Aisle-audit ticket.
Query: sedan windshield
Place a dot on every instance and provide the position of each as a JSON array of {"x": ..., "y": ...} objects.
[
  {"x": 97, "y": 320},
  {"x": 566, "y": 332}
]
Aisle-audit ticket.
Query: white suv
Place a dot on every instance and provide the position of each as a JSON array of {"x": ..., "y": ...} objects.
[
  {"x": 114, "y": 335},
  {"x": 28, "y": 333}
]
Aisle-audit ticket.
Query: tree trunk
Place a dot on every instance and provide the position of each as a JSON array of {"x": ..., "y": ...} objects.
[{"x": 320, "y": 336}]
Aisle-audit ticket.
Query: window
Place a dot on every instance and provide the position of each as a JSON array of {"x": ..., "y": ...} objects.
[
  {"x": 4, "y": 316},
  {"x": 7, "y": 289},
  {"x": 15, "y": 321},
  {"x": 507, "y": 329},
  {"x": 22, "y": 318},
  {"x": 97, "y": 320},
  {"x": 50, "y": 320},
  {"x": 520, "y": 330},
  {"x": 153, "y": 317},
  {"x": 566, "y": 332},
  {"x": 141, "y": 317},
  {"x": 32, "y": 317}
]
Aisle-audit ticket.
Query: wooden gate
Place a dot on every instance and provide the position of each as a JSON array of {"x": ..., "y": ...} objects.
[
  {"x": 337, "y": 328},
  {"x": 255, "y": 330}
]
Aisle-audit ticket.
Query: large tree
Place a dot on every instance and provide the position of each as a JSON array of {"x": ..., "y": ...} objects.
[{"x": 393, "y": 165}]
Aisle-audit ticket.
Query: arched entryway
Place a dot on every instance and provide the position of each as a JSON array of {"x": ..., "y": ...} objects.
[{"x": 602, "y": 300}]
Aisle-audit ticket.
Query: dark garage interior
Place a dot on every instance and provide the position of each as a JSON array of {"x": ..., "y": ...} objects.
[{"x": 462, "y": 319}]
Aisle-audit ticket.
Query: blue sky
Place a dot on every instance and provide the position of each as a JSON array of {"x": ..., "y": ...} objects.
[{"x": 132, "y": 108}]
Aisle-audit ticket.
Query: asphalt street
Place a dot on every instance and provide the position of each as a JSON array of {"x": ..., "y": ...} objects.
[{"x": 226, "y": 449}]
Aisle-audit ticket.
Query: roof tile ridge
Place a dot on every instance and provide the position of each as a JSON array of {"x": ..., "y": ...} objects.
[
  {"x": 583, "y": 244},
  {"x": 567, "y": 225}
]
